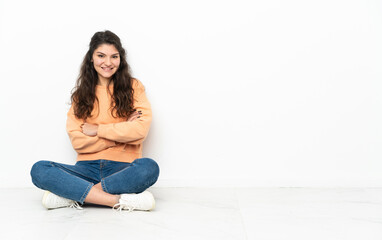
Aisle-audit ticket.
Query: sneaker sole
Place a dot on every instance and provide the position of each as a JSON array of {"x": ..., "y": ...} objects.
[
  {"x": 150, "y": 195},
  {"x": 153, "y": 206},
  {"x": 44, "y": 198}
]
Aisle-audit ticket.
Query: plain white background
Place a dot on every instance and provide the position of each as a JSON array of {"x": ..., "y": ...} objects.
[{"x": 244, "y": 93}]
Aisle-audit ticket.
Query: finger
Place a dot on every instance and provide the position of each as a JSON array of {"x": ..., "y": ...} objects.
[
  {"x": 135, "y": 115},
  {"x": 132, "y": 119}
]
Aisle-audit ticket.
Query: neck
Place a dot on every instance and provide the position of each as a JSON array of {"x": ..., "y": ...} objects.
[{"x": 103, "y": 81}]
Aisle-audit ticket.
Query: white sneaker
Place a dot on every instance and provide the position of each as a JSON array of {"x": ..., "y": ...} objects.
[
  {"x": 51, "y": 201},
  {"x": 142, "y": 201}
]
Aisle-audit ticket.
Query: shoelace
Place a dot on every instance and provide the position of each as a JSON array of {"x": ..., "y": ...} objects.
[
  {"x": 76, "y": 206},
  {"x": 123, "y": 207}
]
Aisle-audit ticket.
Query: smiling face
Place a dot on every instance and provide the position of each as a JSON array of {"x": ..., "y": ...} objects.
[{"x": 106, "y": 61}]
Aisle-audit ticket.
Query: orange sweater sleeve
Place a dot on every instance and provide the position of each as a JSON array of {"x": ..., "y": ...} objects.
[
  {"x": 133, "y": 132},
  {"x": 81, "y": 142}
]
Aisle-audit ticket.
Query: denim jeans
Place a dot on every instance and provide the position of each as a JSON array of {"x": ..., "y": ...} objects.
[{"x": 75, "y": 181}]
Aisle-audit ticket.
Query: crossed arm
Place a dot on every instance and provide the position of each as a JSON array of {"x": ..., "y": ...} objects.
[
  {"x": 91, "y": 130},
  {"x": 90, "y": 138}
]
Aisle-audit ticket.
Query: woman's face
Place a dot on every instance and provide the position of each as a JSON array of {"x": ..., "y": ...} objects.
[{"x": 106, "y": 61}]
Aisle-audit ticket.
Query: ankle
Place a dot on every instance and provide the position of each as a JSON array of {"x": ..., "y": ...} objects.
[{"x": 115, "y": 201}]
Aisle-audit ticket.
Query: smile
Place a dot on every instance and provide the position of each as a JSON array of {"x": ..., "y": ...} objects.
[{"x": 107, "y": 69}]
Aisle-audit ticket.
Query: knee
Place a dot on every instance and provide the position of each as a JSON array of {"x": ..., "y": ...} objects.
[
  {"x": 38, "y": 170},
  {"x": 149, "y": 168}
]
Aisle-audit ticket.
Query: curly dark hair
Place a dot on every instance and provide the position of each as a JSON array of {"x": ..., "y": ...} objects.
[{"x": 83, "y": 94}]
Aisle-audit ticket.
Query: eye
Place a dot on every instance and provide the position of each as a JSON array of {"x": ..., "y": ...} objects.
[
  {"x": 115, "y": 56},
  {"x": 100, "y": 55}
]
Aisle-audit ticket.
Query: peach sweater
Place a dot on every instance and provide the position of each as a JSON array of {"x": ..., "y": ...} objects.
[{"x": 117, "y": 139}]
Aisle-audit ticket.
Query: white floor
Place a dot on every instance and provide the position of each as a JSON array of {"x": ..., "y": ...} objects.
[{"x": 196, "y": 213}]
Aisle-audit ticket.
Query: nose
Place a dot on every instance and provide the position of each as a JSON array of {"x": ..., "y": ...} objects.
[{"x": 107, "y": 61}]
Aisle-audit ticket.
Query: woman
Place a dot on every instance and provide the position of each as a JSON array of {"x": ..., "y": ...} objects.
[{"x": 108, "y": 120}]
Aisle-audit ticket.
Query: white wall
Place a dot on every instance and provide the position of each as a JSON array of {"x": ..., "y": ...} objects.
[{"x": 244, "y": 93}]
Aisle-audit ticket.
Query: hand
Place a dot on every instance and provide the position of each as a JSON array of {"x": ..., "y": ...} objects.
[
  {"x": 134, "y": 116},
  {"x": 89, "y": 129}
]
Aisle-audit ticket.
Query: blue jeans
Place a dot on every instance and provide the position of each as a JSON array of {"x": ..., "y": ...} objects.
[{"x": 75, "y": 181}]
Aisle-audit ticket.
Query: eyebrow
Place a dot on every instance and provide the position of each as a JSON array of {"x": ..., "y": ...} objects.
[{"x": 111, "y": 54}]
